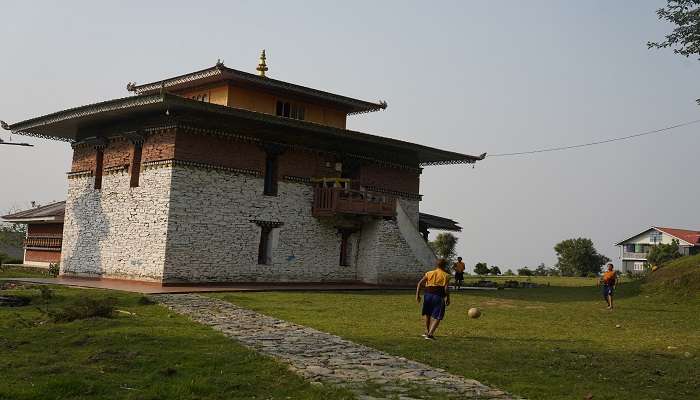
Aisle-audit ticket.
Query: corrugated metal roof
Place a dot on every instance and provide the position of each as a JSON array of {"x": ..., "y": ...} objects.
[
  {"x": 441, "y": 223},
  {"x": 49, "y": 212}
]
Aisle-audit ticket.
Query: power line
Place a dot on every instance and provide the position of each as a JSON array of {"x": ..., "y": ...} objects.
[{"x": 548, "y": 149}]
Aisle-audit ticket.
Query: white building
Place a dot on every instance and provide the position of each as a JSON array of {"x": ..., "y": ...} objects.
[{"x": 634, "y": 250}]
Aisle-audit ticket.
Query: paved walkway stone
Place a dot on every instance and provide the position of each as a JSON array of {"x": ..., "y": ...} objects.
[{"x": 328, "y": 359}]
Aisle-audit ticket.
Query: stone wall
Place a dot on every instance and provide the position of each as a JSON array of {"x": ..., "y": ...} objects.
[
  {"x": 212, "y": 235},
  {"x": 385, "y": 258},
  {"x": 117, "y": 231}
]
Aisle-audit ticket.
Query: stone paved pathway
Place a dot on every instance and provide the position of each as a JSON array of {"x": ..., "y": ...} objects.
[{"x": 327, "y": 359}]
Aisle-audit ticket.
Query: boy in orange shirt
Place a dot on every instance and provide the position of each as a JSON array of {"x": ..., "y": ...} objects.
[
  {"x": 609, "y": 280},
  {"x": 459, "y": 272}
]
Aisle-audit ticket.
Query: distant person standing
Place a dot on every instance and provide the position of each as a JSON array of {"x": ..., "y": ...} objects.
[
  {"x": 459, "y": 272},
  {"x": 435, "y": 298},
  {"x": 609, "y": 281}
]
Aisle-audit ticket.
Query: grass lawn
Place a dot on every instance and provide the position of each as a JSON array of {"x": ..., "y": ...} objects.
[
  {"x": 150, "y": 354},
  {"x": 23, "y": 272},
  {"x": 545, "y": 343}
]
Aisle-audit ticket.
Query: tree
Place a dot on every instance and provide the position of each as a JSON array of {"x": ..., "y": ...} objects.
[
  {"x": 685, "y": 37},
  {"x": 525, "y": 271},
  {"x": 578, "y": 257},
  {"x": 495, "y": 270},
  {"x": 541, "y": 270},
  {"x": 444, "y": 246},
  {"x": 481, "y": 268},
  {"x": 509, "y": 272},
  {"x": 663, "y": 253}
]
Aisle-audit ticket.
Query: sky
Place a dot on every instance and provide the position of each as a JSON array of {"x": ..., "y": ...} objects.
[{"x": 466, "y": 76}]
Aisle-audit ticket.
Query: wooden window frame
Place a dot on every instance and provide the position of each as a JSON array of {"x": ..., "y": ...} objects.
[
  {"x": 265, "y": 245},
  {"x": 99, "y": 167},
  {"x": 136, "y": 164},
  {"x": 271, "y": 172}
]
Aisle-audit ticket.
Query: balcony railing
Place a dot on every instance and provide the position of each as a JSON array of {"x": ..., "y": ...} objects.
[
  {"x": 43, "y": 242},
  {"x": 640, "y": 256},
  {"x": 330, "y": 201}
]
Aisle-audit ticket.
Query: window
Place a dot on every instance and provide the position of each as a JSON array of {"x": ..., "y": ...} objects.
[
  {"x": 629, "y": 248},
  {"x": 136, "y": 165},
  {"x": 99, "y": 164},
  {"x": 655, "y": 237},
  {"x": 270, "y": 175},
  {"x": 265, "y": 246},
  {"x": 345, "y": 250},
  {"x": 638, "y": 266},
  {"x": 201, "y": 97},
  {"x": 290, "y": 110}
]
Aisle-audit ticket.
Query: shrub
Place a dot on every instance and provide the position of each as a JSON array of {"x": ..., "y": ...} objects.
[
  {"x": 84, "y": 308},
  {"x": 524, "y": 271},
  {"x": 54, "y": 269},
  {"x": 663, "y": 253},
  {"x": 145, "y": 301}
]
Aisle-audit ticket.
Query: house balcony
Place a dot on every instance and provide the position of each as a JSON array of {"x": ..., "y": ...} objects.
[
  {"x": 332, "y": 201},
  {"x": 43, "y": 242},
  {"x": 634, "y": 256}
]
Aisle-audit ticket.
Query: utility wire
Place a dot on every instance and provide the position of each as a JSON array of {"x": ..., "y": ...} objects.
[{"x": 548, "y": 149}]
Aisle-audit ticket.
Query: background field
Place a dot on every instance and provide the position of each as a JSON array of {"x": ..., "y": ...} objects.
[{"x": 555, "y": 342}]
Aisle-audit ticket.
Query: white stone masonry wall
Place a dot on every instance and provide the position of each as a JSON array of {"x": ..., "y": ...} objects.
[
  {"x": 117, "y": 231},
  {"x": 211, "y": 237}
]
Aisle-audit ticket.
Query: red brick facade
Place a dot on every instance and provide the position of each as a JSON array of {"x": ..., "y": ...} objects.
[
  {"x": 44, "y": 229},
  {"x": 400, "y": 180},
  {"x": 43, "y": 256},
  {"x": 219, "y": 151},
  {"x": 223, "y": 151}
]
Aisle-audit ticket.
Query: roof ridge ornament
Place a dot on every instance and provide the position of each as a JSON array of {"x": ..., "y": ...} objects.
[
  {"x": 219, "y": 63},
  {"x": 131, "y": 86},
  {"x": 262, "y": 66}
]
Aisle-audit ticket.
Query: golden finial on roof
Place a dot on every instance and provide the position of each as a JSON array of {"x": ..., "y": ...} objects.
[{"x": 262, "y": 67}]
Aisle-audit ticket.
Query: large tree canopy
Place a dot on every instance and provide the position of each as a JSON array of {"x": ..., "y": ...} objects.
[
  {"x": 685, "y": 37},
  {"x": 578, "y": 257}
]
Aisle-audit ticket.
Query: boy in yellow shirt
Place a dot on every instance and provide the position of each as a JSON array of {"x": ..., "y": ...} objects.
[{"x": 435, "y": 298}]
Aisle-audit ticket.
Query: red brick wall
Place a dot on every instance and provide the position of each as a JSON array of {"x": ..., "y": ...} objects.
[
  {"x": 219, "y": 151},
  {"x": 44, "y": 229},
  {"x": 159, "y": 146},
  {"x": 397, "y": 179},
  {"x": 83, "y": 159},
  {"x": 118, "y": 153},
  {"x": 42, "y": 256},
  {"x": 306, "y": 164}
]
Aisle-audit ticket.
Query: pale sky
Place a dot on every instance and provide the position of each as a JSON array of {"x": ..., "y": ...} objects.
[{"x": 466, "y": 76}]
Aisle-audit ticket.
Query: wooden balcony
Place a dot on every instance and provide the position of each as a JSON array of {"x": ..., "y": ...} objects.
[
  {"x": 331, "y": 201},
  {"x": 43, "y": 242},
  {"x": 634, "y": 256}
]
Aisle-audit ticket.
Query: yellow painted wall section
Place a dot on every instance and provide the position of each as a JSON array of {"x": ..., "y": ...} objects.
[
  {"x": 216, "y": 94},
  {"x": 254, "y": 100}
]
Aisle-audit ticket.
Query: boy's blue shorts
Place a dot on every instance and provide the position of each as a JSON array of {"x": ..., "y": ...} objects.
[
  {"x": 434, "y": 306},
  {"x": 607, "y": 291}
]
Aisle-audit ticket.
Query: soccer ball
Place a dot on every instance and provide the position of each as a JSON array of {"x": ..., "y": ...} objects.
[{"x": 474, "y": 313}]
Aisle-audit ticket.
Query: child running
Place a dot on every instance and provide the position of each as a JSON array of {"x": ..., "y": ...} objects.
[{"x": 435, "y": 298}]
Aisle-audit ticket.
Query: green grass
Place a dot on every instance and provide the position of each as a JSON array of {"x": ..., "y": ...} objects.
[
  {"x": 149, "y": 354},
  {"x": 23, "y": 272},
  {"x": 680, "y": 277},
  {"x": 544, "y": 280},
  {"x": 545, "y": 343}
]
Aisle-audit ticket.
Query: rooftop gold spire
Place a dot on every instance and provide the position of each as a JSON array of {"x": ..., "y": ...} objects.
[{"x": 262, "y": 67}]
